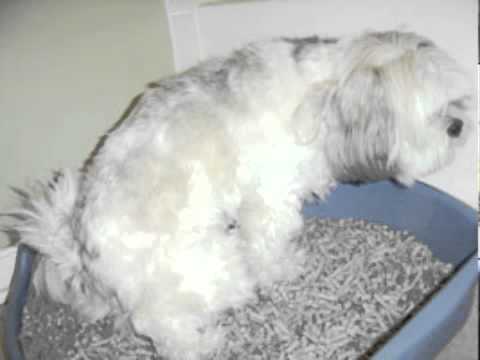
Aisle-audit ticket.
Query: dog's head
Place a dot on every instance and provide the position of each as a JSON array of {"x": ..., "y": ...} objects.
[{"x": 395, "y": 106}]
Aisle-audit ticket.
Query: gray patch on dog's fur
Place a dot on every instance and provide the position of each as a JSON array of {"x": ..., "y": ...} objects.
[
  {"x": 245, "y": 59},
  {"x": 301, "y": 44},
  {"x": 425, "y": 43},
  {"x": 213, "y": 79}
]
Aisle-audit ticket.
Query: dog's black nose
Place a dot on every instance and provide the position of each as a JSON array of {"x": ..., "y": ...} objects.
[{"x": 455, "y": 128}]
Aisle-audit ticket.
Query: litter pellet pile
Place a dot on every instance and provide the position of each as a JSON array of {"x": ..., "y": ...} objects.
[{"x": 361, "y": 280}]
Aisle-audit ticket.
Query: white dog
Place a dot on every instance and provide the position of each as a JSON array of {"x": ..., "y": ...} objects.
[{"x": 192, "y": 201}]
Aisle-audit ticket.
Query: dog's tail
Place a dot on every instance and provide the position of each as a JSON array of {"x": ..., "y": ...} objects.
[{"x": 44, "y": 222}]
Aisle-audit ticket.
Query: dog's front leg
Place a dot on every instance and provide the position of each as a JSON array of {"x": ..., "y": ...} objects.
[{"x": 267, "y": 227}]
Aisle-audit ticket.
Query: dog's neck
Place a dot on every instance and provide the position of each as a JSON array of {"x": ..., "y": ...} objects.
[{"x": 354, "y": 162}]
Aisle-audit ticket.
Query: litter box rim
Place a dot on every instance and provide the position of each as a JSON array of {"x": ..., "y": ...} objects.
[
  {"x": 436, "y": 331},
  {"x": 16, "y": 299}
]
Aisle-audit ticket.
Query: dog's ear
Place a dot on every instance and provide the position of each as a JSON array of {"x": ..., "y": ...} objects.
[
  {"x": 361, "y": 60},
  {"x": 391, "y": 57},
  {"x": 366, "y": 136},
  {"x": 312, "y": 112}
]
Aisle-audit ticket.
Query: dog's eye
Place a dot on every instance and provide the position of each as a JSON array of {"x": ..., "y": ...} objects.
[{"x": 455, "y": 128}]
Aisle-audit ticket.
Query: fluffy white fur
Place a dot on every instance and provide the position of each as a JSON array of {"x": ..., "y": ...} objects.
[{"x": 192, "y": 201}]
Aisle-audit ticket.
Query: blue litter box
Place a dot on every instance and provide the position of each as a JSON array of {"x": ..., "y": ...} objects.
[{"x": 446, "y": 225}]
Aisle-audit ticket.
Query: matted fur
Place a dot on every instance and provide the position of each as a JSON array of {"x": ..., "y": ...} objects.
[{"x": 192, "y": 201}]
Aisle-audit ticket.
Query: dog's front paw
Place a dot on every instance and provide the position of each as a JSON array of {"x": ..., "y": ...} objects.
[
  {"x": 272, "y": 265},
  {"x": 267, "y": 231},
  {"x": 177, "y": 332}
]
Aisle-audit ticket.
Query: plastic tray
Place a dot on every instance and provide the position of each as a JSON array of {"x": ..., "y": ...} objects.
[{"x": 445, "y": 224}]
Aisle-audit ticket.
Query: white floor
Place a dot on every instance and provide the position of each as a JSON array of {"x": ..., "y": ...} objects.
[{"x": 465, "y": 345}]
